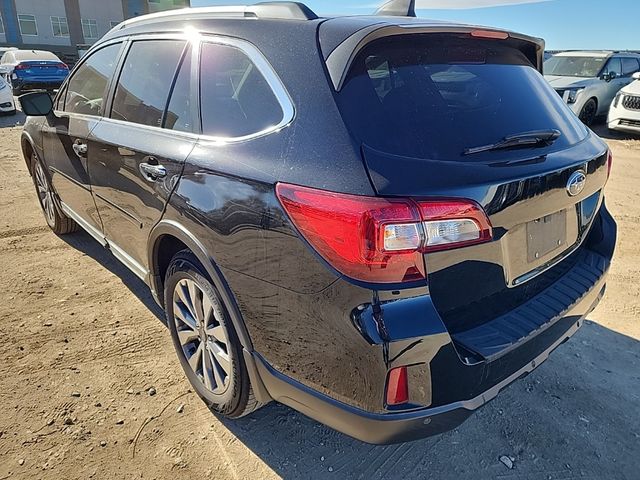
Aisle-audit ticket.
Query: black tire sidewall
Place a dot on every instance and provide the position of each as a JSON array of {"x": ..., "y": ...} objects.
[
  {"x": 57, "y": 226},
  {"x": 589, "y": 122},
  {"x": 185, "y": 265}
]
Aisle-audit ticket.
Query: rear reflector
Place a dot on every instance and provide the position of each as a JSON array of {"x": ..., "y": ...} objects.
[
  {"x": 381, "y": 240},
  {"x": 489, "y": 34},
  {"x": 397, "y": 386},
  {"x": 609, "y": 163}
]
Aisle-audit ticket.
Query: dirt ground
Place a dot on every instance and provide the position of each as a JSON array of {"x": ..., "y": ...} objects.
[{"x": 83, "y": 349}]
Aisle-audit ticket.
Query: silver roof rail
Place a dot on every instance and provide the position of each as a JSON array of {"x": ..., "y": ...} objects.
[
  {"x": 398, "y": 8},
  {"x": 273, "y": 10}
]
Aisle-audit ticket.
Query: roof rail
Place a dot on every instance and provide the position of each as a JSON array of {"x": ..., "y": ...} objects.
[
  {"x": 398, "y": 8},
  {"x": 282, "y": 10},
  {"x": 273, "y": 10}
]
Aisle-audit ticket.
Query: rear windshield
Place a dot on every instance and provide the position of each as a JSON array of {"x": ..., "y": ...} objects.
[
  {"x": 435, "y": 95},
  {"x": 25, "y": 55}
]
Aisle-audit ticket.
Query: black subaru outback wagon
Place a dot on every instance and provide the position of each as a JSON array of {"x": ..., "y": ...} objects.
[{"x": 380, "y": 221}]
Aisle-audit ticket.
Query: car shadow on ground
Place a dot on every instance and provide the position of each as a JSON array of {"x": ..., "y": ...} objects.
[
  {"x": 83, "y": 242},
  {"x": 601, "y": 129},
  {"x": 574, "y": 417},
  {"x": 12, "y": 120}
]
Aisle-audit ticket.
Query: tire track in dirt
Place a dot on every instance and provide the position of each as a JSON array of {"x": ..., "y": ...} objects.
[{"x": 24, "y": 231}]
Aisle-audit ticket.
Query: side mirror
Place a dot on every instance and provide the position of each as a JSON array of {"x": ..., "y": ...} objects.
[
  {"x": 636, "y": 76},
  {"x": 36, "y": 104},
  {"x": 607, "y": 77}
]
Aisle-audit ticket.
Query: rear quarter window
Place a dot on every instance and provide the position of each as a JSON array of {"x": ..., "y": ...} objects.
[
  {"x": 434, "y": 95},
  {"x": 236, "y": 100}
]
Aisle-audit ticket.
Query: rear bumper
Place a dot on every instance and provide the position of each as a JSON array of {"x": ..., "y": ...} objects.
[
  {"x": 377, "y": 428},
  {"x": 475, "y": 384},
  {"x": 35, "y": 83}
]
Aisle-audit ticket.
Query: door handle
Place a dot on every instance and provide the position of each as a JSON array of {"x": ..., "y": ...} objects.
[
  {"x": 80, "y": 148},
  {"x": 152, "y": 173}
]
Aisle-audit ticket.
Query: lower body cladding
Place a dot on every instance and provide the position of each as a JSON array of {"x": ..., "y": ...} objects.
[{"x": 445, "y": 384}]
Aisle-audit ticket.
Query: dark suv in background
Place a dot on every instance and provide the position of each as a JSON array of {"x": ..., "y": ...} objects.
[{"x": 380, "y": 221}]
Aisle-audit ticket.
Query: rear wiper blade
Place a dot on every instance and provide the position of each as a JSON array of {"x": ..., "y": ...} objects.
[{"x": 533, "y": 138}]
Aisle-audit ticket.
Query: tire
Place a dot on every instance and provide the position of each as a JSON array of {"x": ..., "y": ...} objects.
[
  {"x": 56, "y": 219},
  {"x": 588, "y": 112},
  {"x": 203, "y": 336}
]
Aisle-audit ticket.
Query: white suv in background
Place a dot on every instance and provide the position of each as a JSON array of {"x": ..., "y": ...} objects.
[
  {"x": 625, "y": 110},
  {"x": 588, "y": 81}
]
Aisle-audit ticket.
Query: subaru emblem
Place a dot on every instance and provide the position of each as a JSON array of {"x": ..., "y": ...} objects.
[{"x": 576, "y": 183}]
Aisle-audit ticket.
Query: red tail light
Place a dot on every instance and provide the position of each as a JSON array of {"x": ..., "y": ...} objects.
[
  {"x": 397, "y": 386},
  {"x": 63, "y": 66},
  {"x": 381, "y": 240},
  {"x": 21, "y": 66},
  {"x": 609, "y": 163}
]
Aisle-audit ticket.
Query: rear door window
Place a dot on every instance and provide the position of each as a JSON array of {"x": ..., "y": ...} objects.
[
  {"x": 87, "y": 89},
  {"x": 629, "y": 66},
  {"x": 614, "y": 66},
  {"x": 235, "y": 98},
  {"x": 434, "y": 95},
  {"x": 145, "y": 81},
  {"x": 178, "y": 116}
]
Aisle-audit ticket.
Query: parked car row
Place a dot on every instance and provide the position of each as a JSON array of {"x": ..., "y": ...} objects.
[
  {"x": 588, "y": 82},
  {"x": 7, "y": 104}
]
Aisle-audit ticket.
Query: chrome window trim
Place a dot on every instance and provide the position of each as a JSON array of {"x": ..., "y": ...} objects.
[
  {"x": 269, "y": 74},
  {"x": 196, "y": 40}
]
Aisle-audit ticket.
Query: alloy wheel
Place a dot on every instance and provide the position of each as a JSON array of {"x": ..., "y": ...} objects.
[
  {"x": 588, "y": 113},
  {"x": 202, "y": 335},
  {"x": 45, "y": 194}
]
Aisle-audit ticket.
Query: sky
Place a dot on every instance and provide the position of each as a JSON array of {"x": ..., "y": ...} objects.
[{"x": 564, "y": 24}]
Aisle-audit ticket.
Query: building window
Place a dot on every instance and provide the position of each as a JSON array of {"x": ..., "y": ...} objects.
[
  {"x": 59, "y": 26},
  {"x": 28, "y": 25},
  {"x": 89, "y": 28},
  {"x": 1, "y": 26}
]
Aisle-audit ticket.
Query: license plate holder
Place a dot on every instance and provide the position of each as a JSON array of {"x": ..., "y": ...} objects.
[{"x": 545, "y": 235}]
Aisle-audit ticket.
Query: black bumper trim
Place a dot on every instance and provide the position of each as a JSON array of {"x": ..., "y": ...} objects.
[{"x": 507, "y": 332}]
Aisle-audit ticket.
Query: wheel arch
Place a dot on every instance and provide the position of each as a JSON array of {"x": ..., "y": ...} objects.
[
  {"x": 28, "y": 148},
  {"x": 176, "y": 233}
]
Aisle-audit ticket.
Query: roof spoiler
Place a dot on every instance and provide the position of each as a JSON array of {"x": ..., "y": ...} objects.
[{"x": 398, "y": 8}]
